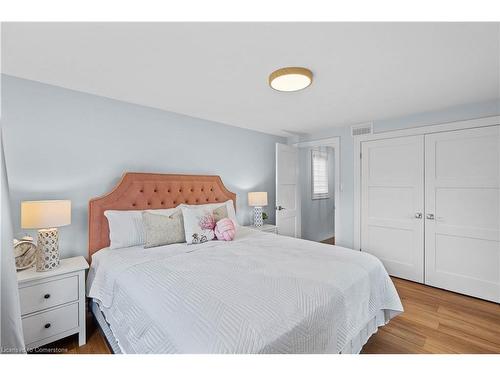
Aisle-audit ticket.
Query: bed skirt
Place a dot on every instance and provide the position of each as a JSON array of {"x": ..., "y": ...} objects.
[
  {"x": 101, "y": 320},
  {"x": 355, "y": 345}
]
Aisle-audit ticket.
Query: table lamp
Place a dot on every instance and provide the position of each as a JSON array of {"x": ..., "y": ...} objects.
[
  {"x": 257, "y": 199},
  {"x": 46, "y": 216}
]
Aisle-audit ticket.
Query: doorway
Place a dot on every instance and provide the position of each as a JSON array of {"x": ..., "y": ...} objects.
[
  {"x": 316, "y": 180},
  {"x": 319, "y": 187}
]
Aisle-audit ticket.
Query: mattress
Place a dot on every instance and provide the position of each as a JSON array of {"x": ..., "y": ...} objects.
[{"x": 260, "y": 293}]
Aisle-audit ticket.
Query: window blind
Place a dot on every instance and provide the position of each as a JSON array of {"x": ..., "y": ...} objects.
[{"x": 319, "y": 167}]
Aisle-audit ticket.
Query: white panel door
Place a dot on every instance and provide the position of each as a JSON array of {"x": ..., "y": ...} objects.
[
  {"x": 287, "y": 194},
  {"x": 392, "y": 204},
  {"x": 462, "y": 227}
]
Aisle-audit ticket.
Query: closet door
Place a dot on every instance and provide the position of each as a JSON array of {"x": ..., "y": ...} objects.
[
  {"x": 462, "y": 227},
  {"x": 392, "y": 204}
]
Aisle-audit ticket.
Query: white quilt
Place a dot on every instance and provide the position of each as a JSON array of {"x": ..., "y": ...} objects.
[{"x": 261, "y": 293}]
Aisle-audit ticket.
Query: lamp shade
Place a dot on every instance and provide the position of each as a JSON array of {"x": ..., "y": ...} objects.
[
  {"x": 45, "y": 214},
  {"x": 257, "y": 198}
]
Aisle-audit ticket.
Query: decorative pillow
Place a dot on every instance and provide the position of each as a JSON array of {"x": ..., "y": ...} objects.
[
  {"x": 162, "y": 230},
  {"x": 199, "y": 224},
  {"x": 225, "y": 230},
  {"x": 220, "y": 213},
  {"x": 126, "y": 227},
  {"x": 228, "y": 205}
]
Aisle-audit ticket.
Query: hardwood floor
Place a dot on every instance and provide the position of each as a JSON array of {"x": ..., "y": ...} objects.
[
  {"x": 329, "y": 241},
  {"x": 438, "y": 321},
  {"x": 434, "y": 321}
]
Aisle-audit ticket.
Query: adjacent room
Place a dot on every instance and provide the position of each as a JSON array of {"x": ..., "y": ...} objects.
[
  {"x": 317, "y": 193},
  {"x": 250, "y": 188}
]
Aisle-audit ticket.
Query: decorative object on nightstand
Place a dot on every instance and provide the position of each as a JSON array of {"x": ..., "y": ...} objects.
[
  {"x": 24, "y": 253},
  {"x": 42, "y": 215},
  {"x": 53, "y": 302},
  {"x": 269, "y": 228},
  {"x": 257, "y": 199}
]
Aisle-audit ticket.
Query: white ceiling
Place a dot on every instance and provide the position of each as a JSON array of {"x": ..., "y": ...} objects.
[{"x": 219, "y": 71}]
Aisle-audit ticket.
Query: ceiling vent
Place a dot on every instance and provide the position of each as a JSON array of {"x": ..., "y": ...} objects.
[{"x": 362, "y": 129}]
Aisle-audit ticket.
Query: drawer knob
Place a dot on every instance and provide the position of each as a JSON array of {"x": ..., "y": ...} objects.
[
  {"x": 47, "y": 325},
  {"x": 47, "y": 296}
]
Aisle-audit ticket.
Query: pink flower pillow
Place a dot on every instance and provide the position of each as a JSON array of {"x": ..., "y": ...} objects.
[{"x": 225, "y": 230}]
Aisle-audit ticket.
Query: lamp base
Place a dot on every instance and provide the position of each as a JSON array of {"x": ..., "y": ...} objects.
[
  {"x": 47, "y": 255},
  {"x": 257, "y": 216}
]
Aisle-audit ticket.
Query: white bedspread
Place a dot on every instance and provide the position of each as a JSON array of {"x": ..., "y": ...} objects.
[{"x": 261, "y": 293}]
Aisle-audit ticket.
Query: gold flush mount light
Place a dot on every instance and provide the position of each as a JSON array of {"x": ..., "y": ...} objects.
[{"x": 290, "y": 79}]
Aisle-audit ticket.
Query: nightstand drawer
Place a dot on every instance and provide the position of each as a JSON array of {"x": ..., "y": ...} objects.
[
  {"x": 48, "y": 294},
  {"x": 41, "y": 326}
]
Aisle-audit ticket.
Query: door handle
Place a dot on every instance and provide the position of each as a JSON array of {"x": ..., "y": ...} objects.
[
  {"x": 279, "y": 208},
  {"x": 418, "y": 215},
  {"x": 430, "y": 216}
]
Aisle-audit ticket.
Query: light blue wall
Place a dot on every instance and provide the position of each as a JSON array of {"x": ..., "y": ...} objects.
[
  {"x": 345, "y": 235},
  {"x": 317, "y": 215},
  {"x": 63, "y": 144}
]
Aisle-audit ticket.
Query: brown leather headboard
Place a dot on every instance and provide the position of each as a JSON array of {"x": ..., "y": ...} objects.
[{"x": 143, "y": 191}]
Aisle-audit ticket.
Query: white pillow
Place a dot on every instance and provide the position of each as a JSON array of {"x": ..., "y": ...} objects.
[
  {"x": 231, "y": 213},
  {"x": 126, "y": 227}
]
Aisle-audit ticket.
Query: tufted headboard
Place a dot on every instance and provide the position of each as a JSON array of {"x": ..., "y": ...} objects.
[{"x": 143, "y": 191}]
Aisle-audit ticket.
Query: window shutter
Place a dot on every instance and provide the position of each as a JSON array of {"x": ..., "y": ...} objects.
[{"x": 319, "y": 167}]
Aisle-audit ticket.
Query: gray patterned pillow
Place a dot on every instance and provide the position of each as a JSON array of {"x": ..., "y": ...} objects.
[
  {"x": 162, "y": 230},
  {"x": 220, "y": 213}
]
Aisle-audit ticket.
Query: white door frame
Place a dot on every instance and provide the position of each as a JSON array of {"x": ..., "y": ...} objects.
[
  {"x": 333, "y": 142},
  {"x": 421, "y": 130}
]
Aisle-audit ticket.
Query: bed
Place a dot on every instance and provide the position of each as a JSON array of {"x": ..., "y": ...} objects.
[{"x": 261, "y": 293}]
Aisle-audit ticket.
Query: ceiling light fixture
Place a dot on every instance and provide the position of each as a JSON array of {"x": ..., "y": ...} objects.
[{"x": 290, "y": 79}]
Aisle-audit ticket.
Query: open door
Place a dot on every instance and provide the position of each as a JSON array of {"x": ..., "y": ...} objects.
[{"x": 287, "y": 194}]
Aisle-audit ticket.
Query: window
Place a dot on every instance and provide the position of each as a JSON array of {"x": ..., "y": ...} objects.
[{"x": 319, "y": 167}]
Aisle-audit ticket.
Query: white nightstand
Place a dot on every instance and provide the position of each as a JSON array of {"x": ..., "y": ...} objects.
[
  {"x": 53, "y": 302},
  {"x": 266, "y": 228}
]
